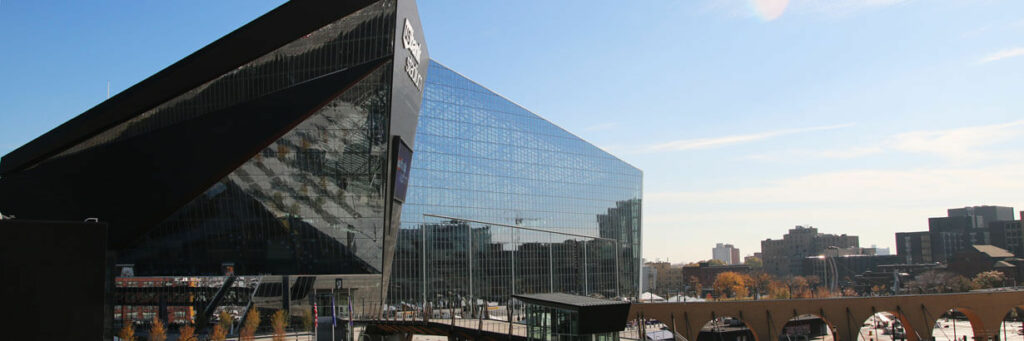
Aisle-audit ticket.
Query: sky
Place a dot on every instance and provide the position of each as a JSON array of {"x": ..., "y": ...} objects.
[{"x": 748, "y": 117}]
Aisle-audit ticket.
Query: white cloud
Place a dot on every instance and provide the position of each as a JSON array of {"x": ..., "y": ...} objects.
[
  {"x": 839, "y": 153},
  {"x": 841, "y": 7},
  {"x": 714, "y": 142},
  {"x": 960, "y": 143},
  {"x": 1007, "y": 53},
  {"x": 863, "y": 186}
]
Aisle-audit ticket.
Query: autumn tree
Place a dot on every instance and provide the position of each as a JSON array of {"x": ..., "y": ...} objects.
[
  {"x": 730, "y": 284},
  {"x": 187, "y": 333},
  {"x": 279, "y": 321},
  {"x": 960, "y": 284},
  {"x": 935, "y": 281},
  {"x": 989, "y": 279},
  {"x": 127, "y": 332},
  {"x": 695, "y": 286},
  {"x": 753, "y": 262},
  {"x": 252, "y": 323},
  {"x": 225, "y": 320},
  {"x": 715, "y": 262},
  {"x": 849, "y": 292},
  {"x": 760, "y": 283},
  {"x": 798, "y": 287},
  {"x": 157, "y": 331},
  {"x": 748, "y": 284},
  {"x": 218, "y": 333},
  {"x": 778, "y": 290}
]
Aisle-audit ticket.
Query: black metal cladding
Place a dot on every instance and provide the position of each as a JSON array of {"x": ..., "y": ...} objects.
[
  {"x": 267, "y": 33},
  {"x": 276, "y": 166}
]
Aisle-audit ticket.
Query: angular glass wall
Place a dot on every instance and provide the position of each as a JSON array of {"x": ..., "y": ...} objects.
[
  {"x": 503, "y": 202},
  {"x": 311, "y": 204}
]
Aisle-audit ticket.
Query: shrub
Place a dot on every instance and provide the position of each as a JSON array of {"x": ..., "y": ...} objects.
[
  {"x": 279, "y": 321},
  {"x": 157, "y": 331},
  {"x": 127, "y": 332}
]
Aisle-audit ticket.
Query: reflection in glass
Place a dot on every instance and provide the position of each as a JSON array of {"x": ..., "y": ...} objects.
[{"x": 481, "y": 157}]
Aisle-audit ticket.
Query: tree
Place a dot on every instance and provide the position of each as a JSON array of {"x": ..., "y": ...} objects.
[
  {"x": 748, "y": 284},
  {"x": 753, "y": 262},
  {"x": 960, "y": 284},
  {"x": 225, "y": 320},
  {"x": 989, "y": 279},
  {"x": 252, "y": 322},
  {"x": 778, "y": 290},
  {"x": 307, "y": 320},
  {"x": 760, "y": 284},
  {"x": 935, "y": 281},
  {"x": 798, "y": 287},
  {"x": 715, "y": 262},
  {"x": 849, "y": 292},
  {"x": 218, "y": 333},
  {"x": 187, "y": 333},
  {"x": 696, "y": 286},
  {"x": 127, "y": 332},
  {"x": 279, "y": 321},
  {"x": 813, "y": 281},
  {"x": 822, "y": 292},
  {"x": 157, "y": 331},
  {"x": 730, "y": 284}
]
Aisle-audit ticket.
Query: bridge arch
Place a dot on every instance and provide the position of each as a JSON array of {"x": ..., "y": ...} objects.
[
  {"x": 766, "y": 318},
  {"x": 726, "y": 324},
  {"x": 805, "y": 324}
]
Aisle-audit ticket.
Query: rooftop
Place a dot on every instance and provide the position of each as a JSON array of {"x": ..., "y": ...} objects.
[{"x": 567, "y": 300}]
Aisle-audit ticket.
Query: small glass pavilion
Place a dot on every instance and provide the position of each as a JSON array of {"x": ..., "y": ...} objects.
[{"x": 564, "y": 317}]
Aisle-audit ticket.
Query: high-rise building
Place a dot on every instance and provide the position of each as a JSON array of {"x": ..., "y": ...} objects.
[
  {"x": 981, "y": 216},
  {"x": 317, "y": 153},
  {"x": 961, "y": 228},
  {"x": 727, "y": 253},
  {"x": 785, "y": 257}
]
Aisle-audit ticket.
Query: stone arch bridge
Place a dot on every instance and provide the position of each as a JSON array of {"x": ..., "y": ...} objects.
[{"x": 845, "y": 316}]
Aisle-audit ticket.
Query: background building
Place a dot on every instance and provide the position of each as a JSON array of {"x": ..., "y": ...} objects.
[
  {"x": 727, "y": 253},
  {"x": 961, "y": 228},
  {"x": 785, "y": 257},
  {"x": 980, "y": 216}
]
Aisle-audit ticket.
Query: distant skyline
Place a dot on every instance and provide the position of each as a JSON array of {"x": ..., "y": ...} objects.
[{"x": 748, "y": 117}]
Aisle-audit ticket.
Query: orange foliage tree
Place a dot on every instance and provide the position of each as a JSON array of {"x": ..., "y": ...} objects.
[
  {"x": 252, "y": 322},
  {"x": 279, "y": 321},
  {"x": 157, "y": 332},
  {"x": 730, "y": 284},
  {"x": 127, "y": 332},
  {"x": 219, "y": 333},
  {"x": 187, "y": 333}
]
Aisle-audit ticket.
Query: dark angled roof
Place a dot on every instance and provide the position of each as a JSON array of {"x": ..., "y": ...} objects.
[
  {"x": 992, "y": 251},
  {"x": 595, "y": 315},
  {"x": 288, "y": 22},
  {"x": 567, "y": 300}
]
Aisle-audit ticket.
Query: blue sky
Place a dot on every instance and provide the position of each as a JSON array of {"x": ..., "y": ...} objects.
[{"x": 747, "y": 116}]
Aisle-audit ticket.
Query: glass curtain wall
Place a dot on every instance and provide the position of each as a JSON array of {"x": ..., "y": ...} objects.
[
  {"x": 480, "y": 157},
  {"x": 311, "y": 203}
]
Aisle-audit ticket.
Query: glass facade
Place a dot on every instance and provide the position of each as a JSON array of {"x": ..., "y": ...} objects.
[
  {"x": 304, "y": 216},
  {"x": 525, "y": 206}
]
